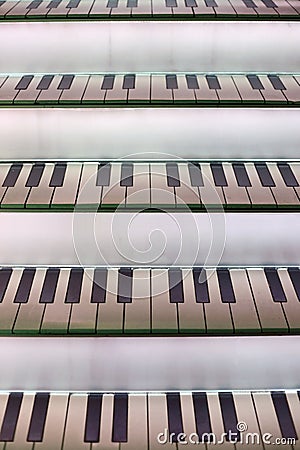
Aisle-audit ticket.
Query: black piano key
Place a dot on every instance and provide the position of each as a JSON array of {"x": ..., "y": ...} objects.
[
  {"x": 202, "y": 418},
  {"x": 229, "y": 416},
  {"x": 213, "y": 82},
  {"x": 275, "y": 285},
  {"x": 34, "y": 4},
  {"x": 126, "y": 175},
  {"x": 287, "y": 175},
  {"x": 225, "y": 284},
  {"x": 175, "y": 286},
  {"x": 269, "y": 3},
  {"x": 171, "y": 82},
  {"x": 120, "y": 418},
  {"x": 11, "y": 416},
  {"x": 294, "y": 274},
  {"x": 174, "y": 415},
  {"x": 66, "y": 82},
  {"x": 200, "y": 283},
  {"x": 284, "y": 415},
  {"x": 73, "y": 3},
  {"x": 93, "y": 417},
  {"x": 58, "y": 175},
  {"x": 172, "y": 175},
  {"x": 54, "y": 3},
  {"x": 38, "y": 417},
  {"x": 99, "y": 286},
  {"x": 276, "y": 83},
  {"x": 129, "y": 82},
  {"x": 103, "y": 174},
  {"x": 191, "y": 80},
  {"x": 108, "y": 80},
  {"x": 125, "y": 286},
  {"x": 49, "y": 286},
  {"x": 190, "y": 3},
  {"x": 35, "y": 175},
  {"x": 132, "y": 3},
  {"x": 24, "y": 82},
  {"x": 255, "y": 82},
  {"x": 210, "y": 3},
  {"x": 298, "y": 393},
  {"x": 112, "y": 3},
  {"x": 5, "y": 275},
  {"x": 241, "y": 175},
  {"x": 218, "y": 174},
  {"x": 195, "y": 174},
  {"x": 264, "y": 175},
  {"x": 74, "y": 286},
  {"x": 12, "y": 175},
  {"x": 249, "y": 3},
  {"x": 45, "y": 82},
  {"x": 171, "y": 3},
  {"x": 24, "y": 287}
]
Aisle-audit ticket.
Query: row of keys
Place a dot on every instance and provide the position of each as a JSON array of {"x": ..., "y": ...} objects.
[
  {"x": 142, "y": 89},
  {"x": 148, "y": 421},
  {"x": 143, "y": 301},
  {"x": 89, "y": 9},
  {"x": 185, "y": 185}
]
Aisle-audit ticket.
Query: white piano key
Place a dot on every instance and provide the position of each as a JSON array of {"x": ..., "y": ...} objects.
[
  {"x": 16, "y": 196},
  {"x": 182, "y": 9},
  {"x": 284, "y": 196},
  {"x": 244, "y": 313},
  {"x": 242, "y": 9},
  {"x": 269, "y": 93},
  {"x": 99, "y": 8},
  {"x": 262, "y": 9},
  {"x": 29, "y": 95},
  {"x": 218, "y": 318},
  {"x": 294, "y": 405},
  {"x": 55, "y": 423},
  {"x": 114, "y": 194},
  {"x": 296, "y": 170},
  {"x": 270, "y": 312},
  {"x": 191, "y": 314},
  {"x": 224, "y": 8},
  {"x": 74, "y": 432},
  {"x": 247, "y": 93},
  {"x": 93, "y": 92},
  {"x": 75, "y": 93},
  {"x": 160, "y": 9},
  {"x": 217, "y": 426},
  {"x": 30, "y": 314},
  {"x": 228, "y": 91},
  {"x": 20, "y": 438},
  {"x": 246, "y": 413},
  {"x": 267, "y": 418},
  {"x": 3, "y": 402},
  {"x": 117, "y": 94},
  {"x": 106, "y": 424},
  {"x": 110, "y": 313},
  {"x": 4, "y": 9},
  {"x": 8, "y": 309},
  {"x": 137, "y": 423},
  {"x": 157, "y": 421},
  {"x": 89, "y": 194},
  {"x": 210, "y": 194},
  {"x": 164, "y": 313},
  {"x": 41, "y": 11},
  {"x": 186, "y": 193},
  {"x": 161, "y": 193},
  {"x": 284, "y": 8},
  {"x": 61, "y": 10},
  {"x": 202, "y": 9},
  {"x": 20, "y": 9},
  {"x": 183, "y": 94},
  {"x": 292, "y": 306},
  {"x": 259, "y": 195},
  {"x": 233, "y": 193},
  {"x": 8, "y": 91},
  {"x": 159, "y": 91},
  {"x": 121, "y": 10},
  {"x": 82, "y": 9},
  {"x": 137, "y": 313},
  {"x": 144, "y": 8},
  {"x": 141, "y": 93},
  {"x": 295, "y": 4},
  {"x": 4, "y": 168},
  {"x": 40, "y": 196},
  {"x": 292, "y": 91},
  {"x": 66, "y": 194},
  {"x": 188, "y": 422},
  {"x": 139, "y": 193},
  {"x": 3, "y": 78},
  {"x": 52, "y": 94},
  {"x": 83, "y": 314},
  {"x": 56, "y": 316},
  {"x": 204, "y": 94}
]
